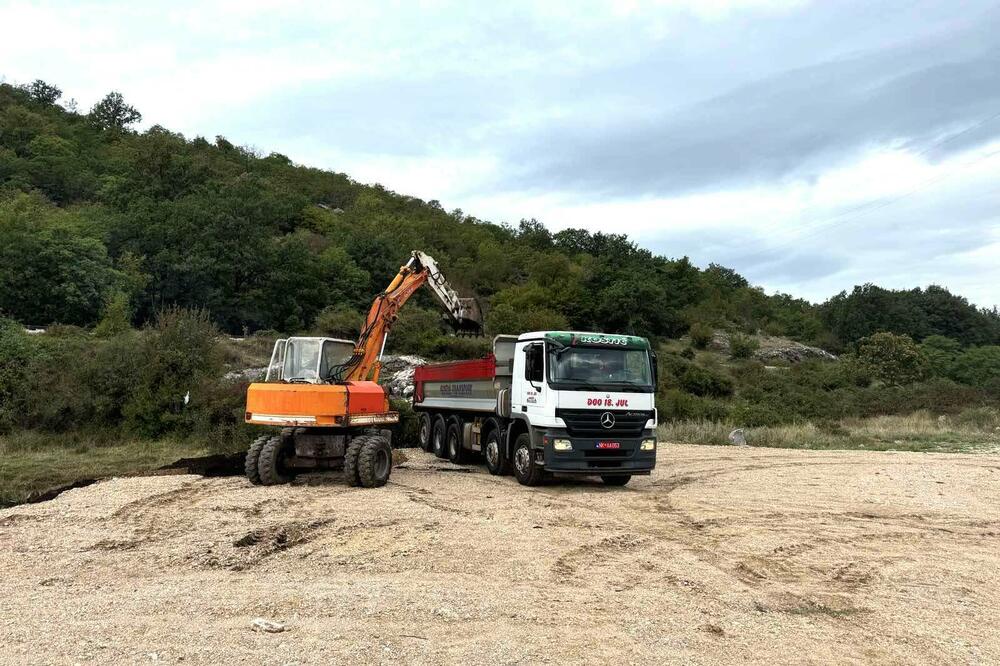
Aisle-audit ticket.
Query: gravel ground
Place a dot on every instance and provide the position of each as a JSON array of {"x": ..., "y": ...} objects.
[{"x": 722, "y": 555}]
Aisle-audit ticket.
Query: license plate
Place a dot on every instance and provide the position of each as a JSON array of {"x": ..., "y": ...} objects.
[{"x": 609, "y": 445}]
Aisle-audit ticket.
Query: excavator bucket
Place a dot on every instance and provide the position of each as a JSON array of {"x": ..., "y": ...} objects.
[{"x": 471, "y": 321}]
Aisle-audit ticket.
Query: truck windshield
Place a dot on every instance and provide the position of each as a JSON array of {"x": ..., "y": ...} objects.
[{"x": 600, "y": 367}]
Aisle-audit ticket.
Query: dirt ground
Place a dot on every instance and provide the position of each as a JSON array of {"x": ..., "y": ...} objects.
[{"x": 722, "y": 555}]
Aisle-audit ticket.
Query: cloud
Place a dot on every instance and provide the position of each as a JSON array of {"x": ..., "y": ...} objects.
[{"x": 811, "y": 145}]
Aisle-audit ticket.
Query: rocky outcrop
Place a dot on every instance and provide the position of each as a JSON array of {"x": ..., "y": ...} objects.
[
  {"x": 397, "y": 373},
  {"x": 774, "y": 349}
]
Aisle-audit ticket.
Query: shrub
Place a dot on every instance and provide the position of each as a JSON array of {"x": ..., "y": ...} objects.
[
  {"x": 892, "y": 359},
  {"x": 704, "y": 382},
  {"x": 742, "y": 346},
  {"x": 338, "y": 322},
  {"x": 181, "y": 359},
  {"x": 701, "y": 335},
  {"x": 977, "y": 366},
  {"x": 688, "y": 353}
]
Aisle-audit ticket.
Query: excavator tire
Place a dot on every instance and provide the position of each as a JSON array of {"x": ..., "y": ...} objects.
[
  {"x": 253, "y": 456},
  {"x": 374, "y": 462},
  {"x": 270, "y": 463},
  {"x": 351, "y": 459},
  {"x": 426, "y": 432}
]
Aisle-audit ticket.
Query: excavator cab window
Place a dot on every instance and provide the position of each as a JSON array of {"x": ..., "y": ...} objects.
[
  {"x": 277, "y": 361},
  {"x": 308, "y": 360}
]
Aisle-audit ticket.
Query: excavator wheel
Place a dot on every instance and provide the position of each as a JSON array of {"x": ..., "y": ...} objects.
[
  {"x": 374, "y": 462},
  {"x": 271, "y": 462},
  {"x": 253, "y": 456},
  {"x": 351, "y": 459}
]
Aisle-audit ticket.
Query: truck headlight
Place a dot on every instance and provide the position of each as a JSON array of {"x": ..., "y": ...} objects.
[
  {"x": 562, "y": 445},
  {"x": 648, "y": 445}
]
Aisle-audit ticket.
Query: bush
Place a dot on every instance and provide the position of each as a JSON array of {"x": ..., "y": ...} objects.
[
  {"x": 704, "y": 382},
  {"x": 338, "y": 321},
  {"x": 688, "y": 353},
  {"x": 977, "y": 366},
  {"x": 181, "y": 360},
  {"x": 892, "y": 359},
  {"x": 701, "y": 335},
  {"x": 742, "y": 346}
]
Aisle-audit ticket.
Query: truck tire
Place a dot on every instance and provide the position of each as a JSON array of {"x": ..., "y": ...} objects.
[
  {"x": 351, "y": 455},
  {"x": 271, "y": 462},
  {"x": 253, "y": 456},
  {"x": 525, "y": 469},
  {"x": 425, "y": 432},
  {"x": 496, "y": 461},
  {"x": 616, "y": 479},
  {"x": 438, "y": 437},
  {"x": 456, "y": 453},
  {"x": 374, "y": 462}
]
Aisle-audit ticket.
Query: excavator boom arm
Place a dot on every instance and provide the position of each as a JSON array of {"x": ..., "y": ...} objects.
[{"x": 420, "y": 269}]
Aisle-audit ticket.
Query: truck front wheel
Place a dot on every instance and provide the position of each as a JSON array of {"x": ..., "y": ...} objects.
[
  {"x": 496, "y": 460},
  {"x": 525, "y": 469}
]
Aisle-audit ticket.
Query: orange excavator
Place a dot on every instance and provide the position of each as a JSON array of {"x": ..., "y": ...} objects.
[{"x": 325, "y": 396}]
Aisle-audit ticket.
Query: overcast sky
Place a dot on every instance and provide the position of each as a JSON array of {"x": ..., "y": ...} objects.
[{"x": 812, "y": 146}]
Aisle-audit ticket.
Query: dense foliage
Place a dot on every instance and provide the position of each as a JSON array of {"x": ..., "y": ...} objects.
[
  {"x": 91, "y": 212},
  {"x": 148, "y": 245}
]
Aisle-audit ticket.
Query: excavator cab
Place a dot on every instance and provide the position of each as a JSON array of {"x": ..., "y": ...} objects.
[{"x": 309, "y": 360}]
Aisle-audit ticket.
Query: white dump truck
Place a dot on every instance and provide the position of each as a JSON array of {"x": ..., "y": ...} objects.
[{"x": 545, "y": 402}]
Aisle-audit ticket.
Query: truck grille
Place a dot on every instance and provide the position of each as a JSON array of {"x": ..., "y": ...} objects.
[{"x": 587, "y": 422}]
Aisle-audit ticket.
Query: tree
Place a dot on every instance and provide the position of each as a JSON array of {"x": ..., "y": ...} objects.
[
  {"x": 978, "y": 366},
  {"x": 113, "y": 113},
  {"x": 892, "y": 359},
  {"x": 43, "y": 93}
]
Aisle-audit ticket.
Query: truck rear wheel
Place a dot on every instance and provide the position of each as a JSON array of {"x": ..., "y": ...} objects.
[
  {"x": 456, "y": 453},
  {"x": 374, "y": 462},
  {"x": 426, "y": 428},
  {"x": 253, "y": 456},
  {"x": 525, "y": 469},
  {"x": 438, "y": 436},
  {"x": 496, "y": 460},
  {"x": 616, "y": 479},
  {"x": 271, "y": 462}
]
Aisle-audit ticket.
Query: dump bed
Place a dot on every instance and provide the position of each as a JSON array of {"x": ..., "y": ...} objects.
[{"x": 466, "y": 385}]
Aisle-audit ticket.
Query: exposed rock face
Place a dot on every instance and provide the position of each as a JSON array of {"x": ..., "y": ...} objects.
[
  {"x": 397, "y": 373},
  {"x": 774, "y": 349}
]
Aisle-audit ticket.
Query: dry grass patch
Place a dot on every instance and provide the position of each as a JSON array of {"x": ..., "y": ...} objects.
[{"x": 973, "y": 430}]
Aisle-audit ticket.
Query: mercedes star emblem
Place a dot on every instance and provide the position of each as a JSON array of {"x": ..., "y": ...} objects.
[{"x": 608, "y": 420}]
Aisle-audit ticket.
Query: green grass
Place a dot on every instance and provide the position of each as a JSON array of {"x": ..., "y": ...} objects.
[
  {"x": 972, "y": 431},
  {"x": 32, "y": 463}
]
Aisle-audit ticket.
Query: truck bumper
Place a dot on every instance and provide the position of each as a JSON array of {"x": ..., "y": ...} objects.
[{"x": 588, "y": 456}]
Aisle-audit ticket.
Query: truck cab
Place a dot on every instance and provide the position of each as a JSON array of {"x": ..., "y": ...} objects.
[
  {"x": 582, "y": 403},
  {"x": 545, "y": 402}
]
